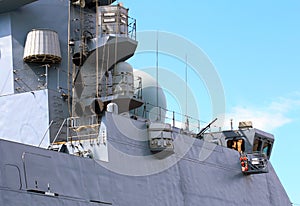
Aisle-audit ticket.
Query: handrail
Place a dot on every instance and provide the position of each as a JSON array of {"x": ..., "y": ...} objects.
[
  {"x": 75, "y": 123},
  {"x": 190, "y": 122},
  {"x": 115, "y": 28},
  {"x": 61, "y": 126},
  {"x": 45, "y": 133}
]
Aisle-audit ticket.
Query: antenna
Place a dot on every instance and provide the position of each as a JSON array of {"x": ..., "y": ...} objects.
[
  {"x": 157, "y": 73},
  {"x": 186, "y": 107},
  {"x": 186, "y": 76}
]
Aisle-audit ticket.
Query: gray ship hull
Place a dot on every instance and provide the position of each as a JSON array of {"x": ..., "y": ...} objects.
[{"x": 35, "y": 176}]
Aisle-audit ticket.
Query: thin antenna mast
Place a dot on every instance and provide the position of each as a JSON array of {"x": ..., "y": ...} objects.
[
  {"x": 186, "y": 96},
  {"x": 186, "y": 89},
  {"x": 157, "y": 72}
]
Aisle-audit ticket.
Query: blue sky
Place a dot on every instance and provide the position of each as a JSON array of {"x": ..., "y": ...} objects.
[{"x": 255, "y": 48}]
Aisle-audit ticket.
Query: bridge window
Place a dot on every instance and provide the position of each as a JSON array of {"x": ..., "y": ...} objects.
[
  {"x": 262, "y": 146},
  {"x": 267, "y": 148},
  {"x": 236, "y": 144},
  {"x": 257, "y": 145}
]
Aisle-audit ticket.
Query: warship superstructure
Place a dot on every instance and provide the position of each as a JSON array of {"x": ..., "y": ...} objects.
[{"x": 79, "y": 127}]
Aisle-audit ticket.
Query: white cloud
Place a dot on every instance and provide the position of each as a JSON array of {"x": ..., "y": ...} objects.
[
  {"x": 269, "y": 117},
  {"x": 265, "y": 119}
]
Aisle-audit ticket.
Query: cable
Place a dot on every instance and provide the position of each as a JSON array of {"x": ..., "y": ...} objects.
[
  {"x": 26, "y": 85},
  {"x": 69, "y": 58},
  {"x": 97, "y": 50}
]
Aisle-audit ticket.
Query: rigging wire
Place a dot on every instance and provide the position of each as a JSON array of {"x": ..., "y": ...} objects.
[
  {"x": 116, "y": 42},
  {"x": 20, "y": 87},
  {"x": 97, "y": 50},
  {"x": 32, "y": 68},
  {"x": 26, "y": 85},
  {"x": 105, "y": 73},
  {"x": 103, "y": 55}
]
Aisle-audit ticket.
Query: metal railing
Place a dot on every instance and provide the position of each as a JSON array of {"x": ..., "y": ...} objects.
[
  {"x": 176, "y": 119},
  {"x": 75, "y": 126},
  {"x": 117, "y": 22},
  {"x": 138, "y": 87},
  {"x": 121, "y": 29},
  {"x": 132, "y": 28},
  {"x": 107, "y": 89}
]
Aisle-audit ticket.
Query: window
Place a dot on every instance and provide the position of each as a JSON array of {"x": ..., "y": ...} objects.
[
  {"x": 267, "y": 148},
  {"x": 257, "y": 145},
  {"x": 262, "y": 146},
  {"x": 109, "y": 20},
  {"x": 236, "y": 144}
]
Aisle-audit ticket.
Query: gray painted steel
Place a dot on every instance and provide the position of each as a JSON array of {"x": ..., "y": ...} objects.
[
  {"x": 8, "y": 5},
  {"x": 27, "y": 172},
  {"x": 203, "y": 173}
]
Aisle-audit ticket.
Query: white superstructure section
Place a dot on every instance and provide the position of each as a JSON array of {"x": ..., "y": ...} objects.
[
  {"x": 24, "y": 118},
  {"x": 6, "y": 59}
]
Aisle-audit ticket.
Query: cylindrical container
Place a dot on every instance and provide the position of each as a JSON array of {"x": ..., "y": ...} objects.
[{"x": 42, "y": 46}]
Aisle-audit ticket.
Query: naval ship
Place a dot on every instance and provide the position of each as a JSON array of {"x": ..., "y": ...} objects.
[{"x": 80, "y": 127}]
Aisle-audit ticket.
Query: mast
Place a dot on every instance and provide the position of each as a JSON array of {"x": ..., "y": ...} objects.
[{"x": 157, "y": 118}]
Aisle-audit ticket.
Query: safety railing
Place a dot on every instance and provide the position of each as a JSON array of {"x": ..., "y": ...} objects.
[
  {"x": 178, "y": 120},
  {"x": 81, "y": 128},
  {"x": 116, "y": 21},
  {"x": 132, "y": 28},
  {"x": 136, "y": 89}
]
